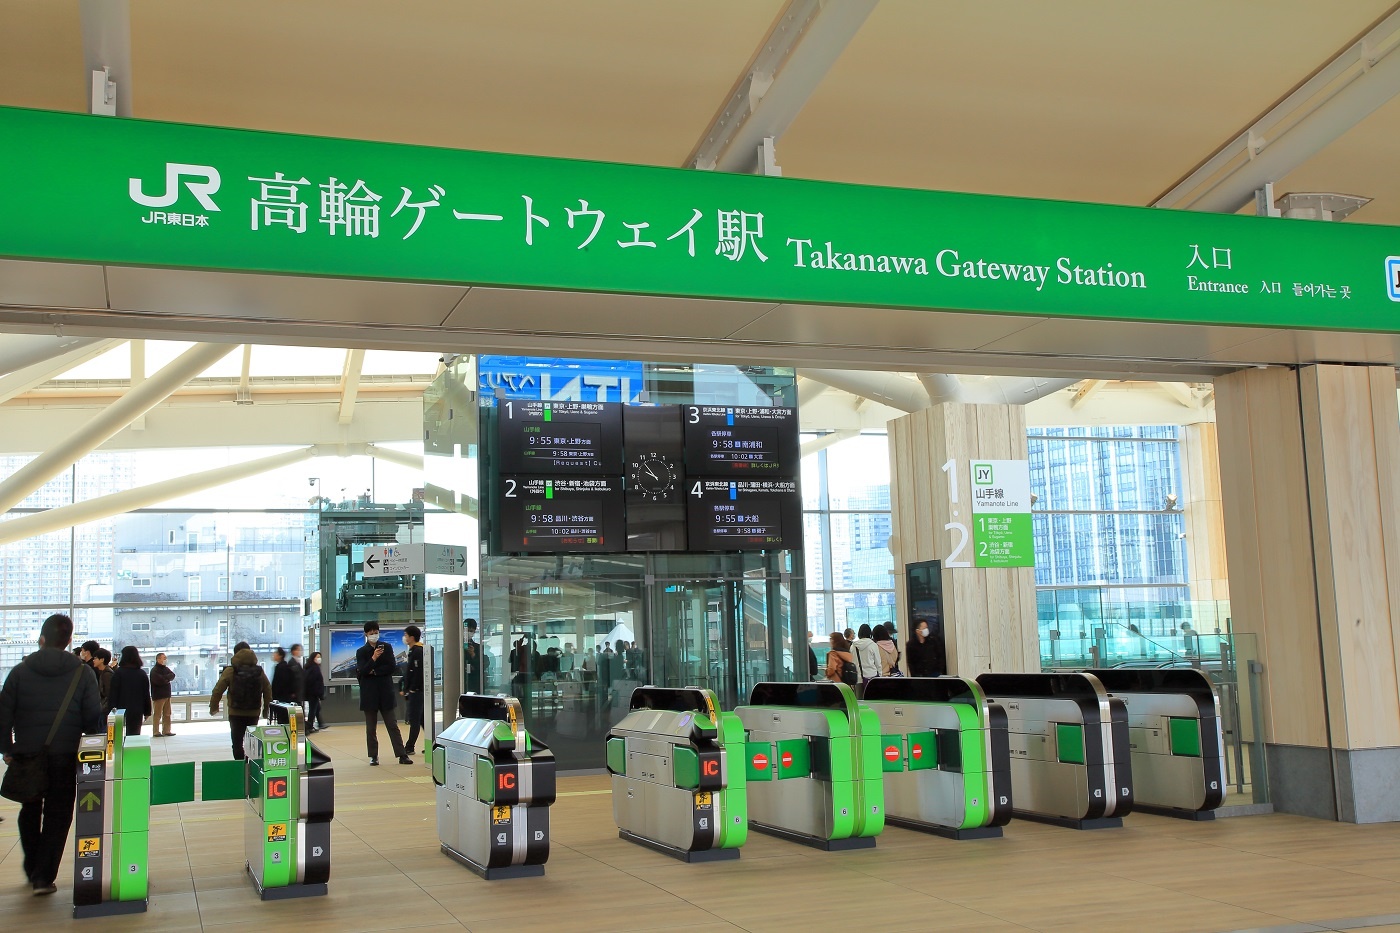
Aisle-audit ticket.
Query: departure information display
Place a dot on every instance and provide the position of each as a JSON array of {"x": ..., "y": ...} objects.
[
  {"x": 744, "y": 515},
  {"x": 741, "y": 441},
  {"x": 539, "y": 515},
  {"x": 572, "y": 438}
]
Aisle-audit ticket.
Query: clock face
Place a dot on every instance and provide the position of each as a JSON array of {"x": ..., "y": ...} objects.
[{"x": 653, "y": 477}]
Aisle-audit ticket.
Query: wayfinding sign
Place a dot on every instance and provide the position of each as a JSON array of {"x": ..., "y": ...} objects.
[
  {"x": 395, "y": 560},
  {"x": 1001, "y": 514},
  {"x": 198, "y": 197}
]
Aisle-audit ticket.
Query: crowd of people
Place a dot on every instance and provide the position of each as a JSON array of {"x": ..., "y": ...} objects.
[{"x": 858, "y": 657}]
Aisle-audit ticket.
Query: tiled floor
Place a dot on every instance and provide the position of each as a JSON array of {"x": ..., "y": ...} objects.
[{"x": 1279, "y": 873}]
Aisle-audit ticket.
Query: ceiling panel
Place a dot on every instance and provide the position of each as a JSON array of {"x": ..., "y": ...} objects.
[
  {"x": 279, "y": 297},
  {"x": 52, "y": 284},
  {"x": 41, "y": 55},
  {"x": 1312, "y": 347},
  {"x": 1091, "y": 100},
  {"x": 1123, "y": 340},
  {"x": 620, "y": 80},
  {"x": 506, "y": 309},
  {"x": 882, "y": 327}
]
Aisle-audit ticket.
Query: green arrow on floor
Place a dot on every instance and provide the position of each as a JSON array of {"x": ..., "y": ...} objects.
[{"x": 90, "y": 802}]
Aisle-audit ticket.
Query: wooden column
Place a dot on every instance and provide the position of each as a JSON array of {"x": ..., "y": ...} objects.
[
  {"x": 990, "y": 614},
  {"x": 1204, "y": 512},
  {"x": 1310, "y": 469}
]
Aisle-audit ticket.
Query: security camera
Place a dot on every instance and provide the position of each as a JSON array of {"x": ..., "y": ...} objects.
[{"x": 311, "y": 481}]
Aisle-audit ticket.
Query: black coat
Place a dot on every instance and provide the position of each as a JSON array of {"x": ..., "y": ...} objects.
[
  {"x": 926, "y": 659},
  {"x": 315, "y": 682},
  {"x": 284, "y": 683},
  {"x": 161, "y": 679},
  {"x": 413, "y": 676},
  {"x": 33, "y": 691},
  {"x": 377, "y": 691},
  {"x": 131, "y": 691}
]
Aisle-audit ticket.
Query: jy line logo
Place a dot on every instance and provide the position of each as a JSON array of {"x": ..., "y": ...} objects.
[
  {"x": 1392, "y": 277},
  {"x": 203, "y": 189},
  {"x": 982, "y": 474}
]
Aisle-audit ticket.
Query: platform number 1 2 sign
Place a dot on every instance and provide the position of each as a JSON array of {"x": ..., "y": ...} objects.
[{"x": 1001, "y": 533}]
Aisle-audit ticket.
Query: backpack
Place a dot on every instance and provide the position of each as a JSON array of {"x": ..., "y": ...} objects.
[
  {"x": 849, "y": 675},
  {"x": 245, "y": 692}
]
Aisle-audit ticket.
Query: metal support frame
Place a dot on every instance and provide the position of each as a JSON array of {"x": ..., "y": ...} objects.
[
  {"x": 107, "y": 55},
  {"x": 36, "y": 374},
  {"x": 135, "y": 403},
  {"x": 805, "y": 40},
  {"x": 350, "y": 384},
  {"x": 1344, "y": 91},
  {"x": 827, "y": 440},
  {"x": 245, "y": 378}
]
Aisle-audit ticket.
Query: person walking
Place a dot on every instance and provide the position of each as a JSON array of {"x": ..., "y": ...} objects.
[
  {"x": 130, "y": 690},
  {"x": 315, "y": 686},
  {"x": 889, "y": 652},
  {"x": 840, "y": 663},
  {"x": 411, "y": 689},
  {"x": 162, "y": 677},
  {"x": 49, "y": 701},
  {"x": 298, "y": 675},
  {"x": 375, "y": 667},
  {"x": 102, "y": 666},
  {"x": 249, "y": 695},
  {"x": 867, "y": 655},
  {"x": 925, "y": 655},
  {"x": 283, "y": 683}
]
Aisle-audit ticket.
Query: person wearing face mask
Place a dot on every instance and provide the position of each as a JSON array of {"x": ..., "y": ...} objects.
[
  {"x": 375, "y": 667},
  {"x": 924, "y": 654}
]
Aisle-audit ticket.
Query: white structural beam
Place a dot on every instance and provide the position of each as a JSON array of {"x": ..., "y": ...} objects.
[
  {"x": 36, "y": 374},
  {"x": 1340, "y": 94},
  {"x": 245, "y": 377},
  {"x": 138, "y": 376},
  {"x": 350, "y": 383},
  {"x": 20, "y": 351},
  {"x": 805, "y": 41},
  {"x": 808, "y": 390},
  {"x": 390, "y": 455},
  {"x": 107, "y": 55},
  {"x": 141, "y": 399},
  {"x": 91, "y": 510},
  {"x": 1086, "y": 391},
  {"x": 1181, "y": 393},
  {"x": 889, "y": 389},
  {"x": 821, "y": 443}
]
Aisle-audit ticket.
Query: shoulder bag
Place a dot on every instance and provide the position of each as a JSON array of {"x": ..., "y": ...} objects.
[{"x": 27, "y": 777}]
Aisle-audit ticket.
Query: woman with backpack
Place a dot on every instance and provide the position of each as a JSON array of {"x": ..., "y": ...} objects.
[
  {"x": 840, "y": 663},
  {"x": 889, "y": 652},
  {"x": 130, "y": 690},
  {"x": 249, "y": 696}
]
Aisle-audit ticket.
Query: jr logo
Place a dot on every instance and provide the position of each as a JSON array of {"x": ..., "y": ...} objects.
[
  {"x": 1392, "y": 277},
  {"x": 174, "y": 171}
]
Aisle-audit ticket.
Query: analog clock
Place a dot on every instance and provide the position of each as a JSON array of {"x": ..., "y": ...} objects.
[{"x": 653, "y": 477}]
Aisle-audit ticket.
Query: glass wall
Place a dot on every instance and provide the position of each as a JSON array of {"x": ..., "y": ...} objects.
[{"x": 846, "y": 498}]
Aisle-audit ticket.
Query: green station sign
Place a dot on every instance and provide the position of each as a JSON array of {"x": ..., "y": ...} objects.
[
  {"x": 1002, "y": 532},
  {"x": 134, "y": 192}
]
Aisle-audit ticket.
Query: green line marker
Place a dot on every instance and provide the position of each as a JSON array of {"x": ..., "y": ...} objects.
[
  {"x": 548, "y": 415},
  {"x": 549, "y": 489}
]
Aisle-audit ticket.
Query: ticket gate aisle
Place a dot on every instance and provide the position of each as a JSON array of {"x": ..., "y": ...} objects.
[
  {"x": 1178, "y": 746},
  {"x": 677, "y": 783},
  {"x": 943, "y": 747},
  {"x": 1070, "y": 763},
  {"x": 111, "y": 841},
  {"x": 291, "y": 801},
  {"x": 495, "y": 783},
  {"x": 813, "y": 765}
]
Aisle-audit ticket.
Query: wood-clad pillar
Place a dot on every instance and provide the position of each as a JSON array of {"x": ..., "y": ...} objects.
[
  {"x": 1204, "y": 512},
  {"x": 990, "y": 614},
  {"x": 1310, "y": 472}
]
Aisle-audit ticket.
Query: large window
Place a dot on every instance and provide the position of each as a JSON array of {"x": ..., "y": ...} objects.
[{"x": 846, "y": 495}]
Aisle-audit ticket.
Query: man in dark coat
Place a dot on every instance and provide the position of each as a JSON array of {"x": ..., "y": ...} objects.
[
  {"x": 162, "y": 677},
  {"x": 375, "y": 667},
  {"x": 412, "y": 687},
  {"x": 29, "y": 701}
]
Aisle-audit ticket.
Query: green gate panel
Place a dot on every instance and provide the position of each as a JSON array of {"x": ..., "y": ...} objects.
[
  {"x": 758, "y": 761},
  {"x": 617, "y": 756},
  {"x": 892, "y": 753},
  {"x": 172, "y": 783},
  {"x": 130, "y": 866},
  {"x": 685, "y": 768},
  {"x": 485, "y": 779},
  {"x": 136, "y": 758},
  {"x": 1069, "y": 742},
  {"x": 922, "y": 751},
  {"x": 222, "y": 780},
  {"x": 1185, "y": 736},
  {"x": 131, "y": 805},
  {"x": 794, "y": 758}
]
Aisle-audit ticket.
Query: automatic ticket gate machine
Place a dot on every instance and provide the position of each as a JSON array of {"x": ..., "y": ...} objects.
[
  {"x": 111, "y": 842},
  {"x": 944, "y": 751},
  {"x": 1070, "y": 763},
  {"x": 1178, "y": 747},
  {"x": 495, "y": 783},
  {"x": 813, "y": 765},
  {"x": 291, "y": 801},
  {"x": 677, "y": 783}
]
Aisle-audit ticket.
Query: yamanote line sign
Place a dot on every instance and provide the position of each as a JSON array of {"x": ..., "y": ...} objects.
[{"x": 133, "y": 192}]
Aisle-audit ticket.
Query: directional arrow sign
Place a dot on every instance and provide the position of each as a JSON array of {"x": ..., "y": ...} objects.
[
  {"x": 393, "y": 560},
  {"x": 372, "y": 561},
  {"x": 445, "y": 558},
  {"x": 90, "y": 802}
]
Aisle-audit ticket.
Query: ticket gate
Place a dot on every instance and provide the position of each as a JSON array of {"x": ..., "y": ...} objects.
[
  {"x": 291, "y": 802},
  {"x": 1178, "y": 746},
  {"x": 944, "y": 751},
  {"x": 111, "y": 842},
  {"x": 812, "y": 763},
  {"x": 677, "y": 786},
  {"x": 1068, "y": 738},
  {"x": 495, "y": 783}
]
